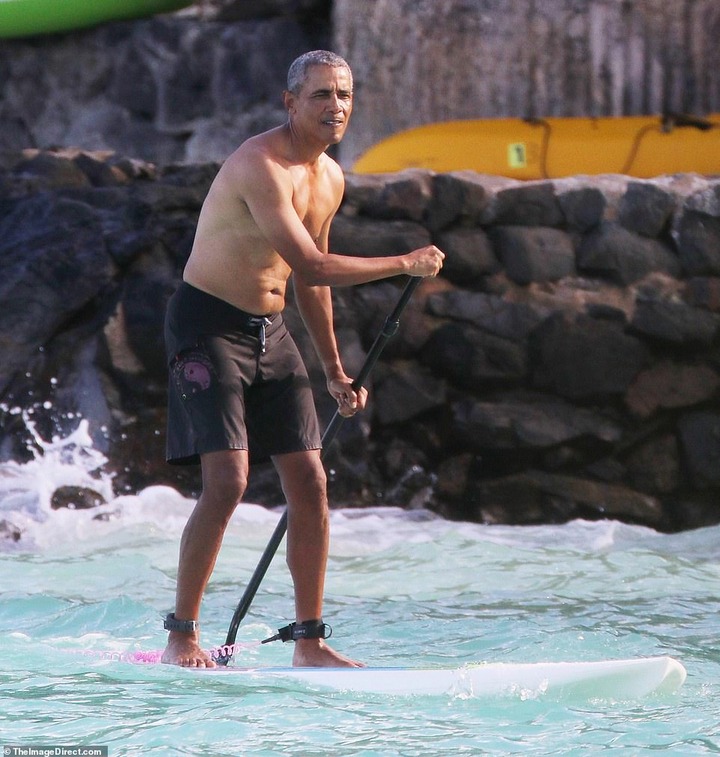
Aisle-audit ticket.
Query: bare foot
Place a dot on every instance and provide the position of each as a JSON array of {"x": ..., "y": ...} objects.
[
  {"x": 183, "y": 649},
  {"x": 315, "y": 653}
]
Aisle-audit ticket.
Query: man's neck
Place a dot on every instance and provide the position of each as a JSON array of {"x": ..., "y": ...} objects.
[{"x": 301, "y": 150}]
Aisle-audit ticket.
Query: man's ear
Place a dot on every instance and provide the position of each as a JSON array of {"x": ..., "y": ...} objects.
[{"x": 288, "y": 100}]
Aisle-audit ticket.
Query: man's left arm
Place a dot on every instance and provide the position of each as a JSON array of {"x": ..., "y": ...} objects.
[{"x": 315, "y": 306}]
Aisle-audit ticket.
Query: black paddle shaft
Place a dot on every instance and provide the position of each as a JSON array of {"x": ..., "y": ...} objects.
[{"x": 389, "y": 328}]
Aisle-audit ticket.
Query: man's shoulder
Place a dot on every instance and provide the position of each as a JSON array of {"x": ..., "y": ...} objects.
[
  {"x": 252, "y": 158},
  {"x": 255, "y": 148}
]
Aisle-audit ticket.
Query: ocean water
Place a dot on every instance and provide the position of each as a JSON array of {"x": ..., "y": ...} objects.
[{"x": 82, "y": 596}]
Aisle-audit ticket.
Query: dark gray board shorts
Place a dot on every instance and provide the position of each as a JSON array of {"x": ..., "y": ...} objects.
[{"x": 236, "y": 381}]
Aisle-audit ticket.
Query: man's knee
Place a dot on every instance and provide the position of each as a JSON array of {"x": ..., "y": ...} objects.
[
  {"x": 313, "y": 482},
  {"x": 228, "y": 487},
  {"x": 316, "y": 478},
  {"x": 225, "y": 477},
  {"x": 302, "y": 476}
]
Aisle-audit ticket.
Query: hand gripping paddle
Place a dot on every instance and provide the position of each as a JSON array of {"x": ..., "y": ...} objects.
[{"x": 225, "y": 653}]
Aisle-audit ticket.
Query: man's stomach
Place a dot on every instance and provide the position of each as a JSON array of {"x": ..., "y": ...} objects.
[{"x": 256, "y": 291}]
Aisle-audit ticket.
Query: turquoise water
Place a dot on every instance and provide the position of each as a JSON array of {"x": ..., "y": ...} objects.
[{"x": 403, "y": 589}]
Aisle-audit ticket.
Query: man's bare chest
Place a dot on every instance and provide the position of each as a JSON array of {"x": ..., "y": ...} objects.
[{"x": 314, "y": 203}]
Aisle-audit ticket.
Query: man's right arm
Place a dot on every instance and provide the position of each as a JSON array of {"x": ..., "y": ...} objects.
[{"x": 267, "y": 190}]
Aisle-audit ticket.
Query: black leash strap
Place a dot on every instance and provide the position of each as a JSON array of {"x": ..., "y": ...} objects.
[
  {"x": 308, "y": 629},
  {"x": 390, "y": 327}
]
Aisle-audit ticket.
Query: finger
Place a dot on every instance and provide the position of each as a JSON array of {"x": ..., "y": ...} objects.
[
  {"x": 347, "y": 406},
  {"x": 345, "y": 409},
  {"x": 348, "y": 400}
]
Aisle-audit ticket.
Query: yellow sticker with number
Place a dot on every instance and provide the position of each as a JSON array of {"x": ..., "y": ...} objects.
[{"x": 517, "y": 155}]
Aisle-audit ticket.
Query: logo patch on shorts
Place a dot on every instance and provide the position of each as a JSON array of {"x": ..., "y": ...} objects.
[{"x": 193, "y": 372}]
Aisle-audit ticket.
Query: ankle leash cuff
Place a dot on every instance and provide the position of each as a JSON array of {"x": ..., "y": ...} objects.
[
  {"x": 171, "y": 623},
  {"x": 308, "y": 629}
]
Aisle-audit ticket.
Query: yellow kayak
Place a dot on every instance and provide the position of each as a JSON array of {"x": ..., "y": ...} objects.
[
  {"x": 641, "y": 146},
  {"x": 23, "y": 18}
]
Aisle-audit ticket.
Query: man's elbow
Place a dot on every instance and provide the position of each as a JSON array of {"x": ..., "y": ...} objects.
[{"x": 314, "y": 273}]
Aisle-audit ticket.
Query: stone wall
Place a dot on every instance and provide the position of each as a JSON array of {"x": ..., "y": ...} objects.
[{"x": 565, "y": 364}]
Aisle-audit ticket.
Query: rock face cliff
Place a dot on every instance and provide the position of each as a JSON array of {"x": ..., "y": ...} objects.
[
  {"x": 564, "y": 365},
  {"x": 190, "y": 87},
  {"x": 168, "y": 89}
]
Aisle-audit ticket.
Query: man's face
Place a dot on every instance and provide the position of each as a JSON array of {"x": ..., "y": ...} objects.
[{"x": 324, "y": 103}]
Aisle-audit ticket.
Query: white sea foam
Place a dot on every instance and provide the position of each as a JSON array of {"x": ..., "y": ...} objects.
[{"x": 27, "y": 488}]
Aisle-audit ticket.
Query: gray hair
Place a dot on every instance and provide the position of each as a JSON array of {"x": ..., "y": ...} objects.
[{"x": 297, "y": 73}]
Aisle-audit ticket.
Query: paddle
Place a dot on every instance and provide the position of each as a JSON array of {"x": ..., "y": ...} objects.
[{"x": 388, "y": 330}]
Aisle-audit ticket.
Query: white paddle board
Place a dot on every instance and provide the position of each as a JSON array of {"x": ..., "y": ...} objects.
[{"x": 609, "y": 679}]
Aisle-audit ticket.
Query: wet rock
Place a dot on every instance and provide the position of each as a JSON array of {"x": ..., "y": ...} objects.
[
  {"x": 51, "y": 171},
  {"x": 646, "y": 209},
  {"x": 671, "y": 385},
  {"x": 469, "y": 256},
  {"x": 9, "y": 532},
  {"x": 615, "y": 253},
  {"x": 405, "y": 195},
  {"x": 529, "y": 204},
  {"x": 698, "y": 240},
  {"x": 700, "y": 438},
  {"x": 403, "y": 391},
  {"x": 675, "y": 323},
  {"x": 459, "y": 197},
  {"x": 537, "y": 423},
  {"x": 654, "y": 467},
  {"x": 582, "y": 207},
  {"x": 536, "y": 497},
  {"x": 454, "y": 476},
  {"x": 76, "y": 498},
  {"x": 472, "y": 358},
  {"x": 704, "y": 292},
  {"x": 534, "y": 254},
  {"x": 496, "y": 315},
  {"x": 373, "y": 237},
  {"x": 586, "y": 358},
  {"x": 53, "y": 262}
]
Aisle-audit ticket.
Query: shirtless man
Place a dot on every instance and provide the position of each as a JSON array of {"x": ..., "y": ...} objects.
[{"x": 237, "y": 382}]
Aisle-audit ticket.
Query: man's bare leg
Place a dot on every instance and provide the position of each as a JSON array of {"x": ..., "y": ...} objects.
[
  {"x": 224, "y": 479},
  {"x": 305, "y": 486}
]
